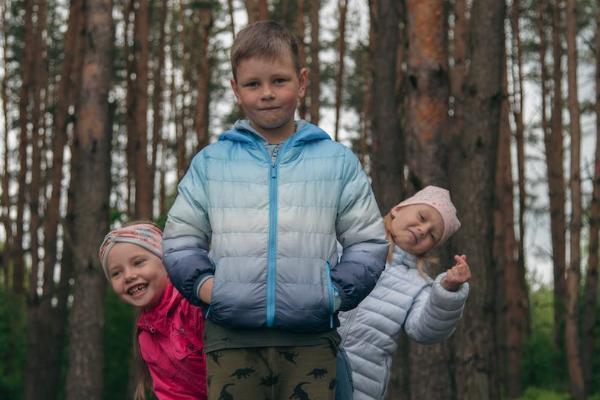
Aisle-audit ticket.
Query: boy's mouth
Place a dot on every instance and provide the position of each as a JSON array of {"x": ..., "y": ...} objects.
[{"x": 132, "y": 291}]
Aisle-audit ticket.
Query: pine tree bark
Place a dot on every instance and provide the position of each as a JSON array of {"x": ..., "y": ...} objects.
[
  {"x": 84, "y": 377},
  {"x": 591, "y": 281},
  {"x": 158, "y": 92},
  {"x": 554, "y": 156},
  {"x": 300, "y": 29},
  {"x": 387, "y": 137},
  {"x": 428, "y": 89},
  {"x": 458, "y": 71},
  {"x": 339, "y": 76},
  {"x": 258, "y": 10},
  {"x": 512, "y": 299},
  {"x": 24, "y": 143},
  {"x": 129, "y": 6},
  {"x": 203, "y": 97},
  {"x": 143, "y": 184},
  {"x": 574, "y": 267},
  {"x": 473, "y": 163},
  {"x": 6, "y": 258},
  {"x": 314, "y": 83}
]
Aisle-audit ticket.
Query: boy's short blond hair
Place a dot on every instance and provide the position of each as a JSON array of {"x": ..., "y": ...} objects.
[{"x": 264, "y": 39}]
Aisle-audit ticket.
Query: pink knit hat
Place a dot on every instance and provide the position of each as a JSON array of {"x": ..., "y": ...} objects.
[
  {"x": 439, "y": 199},
  {"x": 145, "y": 235}
]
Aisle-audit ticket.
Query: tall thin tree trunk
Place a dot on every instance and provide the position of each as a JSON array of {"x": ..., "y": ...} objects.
[
  {"x": 387, "y": 136},
  {"x": 231, "y": 18},
  {"x": 24, "y": 140},
  {"x": 339, "y": 77},
  {"x": 591, "y": 281},
  {"x": 574, "y": 268},
  {"x": 518, "y": 107},
  {"x": 158, "y": 93},
  {"x": 129, "y": 6},
  {"x": 554, "y": 160},
  {"x": 315, "y": 65},
  {"x": 203, "y": 97},
  {"x": 300, "y": 32},
  {"x": 7, "y": 259},
  {"x": 48, "y": 321},
  {"x": 473, "y": 164},
  {"x": 84, "y": 377},
  {"x": 143, "y": 184}
]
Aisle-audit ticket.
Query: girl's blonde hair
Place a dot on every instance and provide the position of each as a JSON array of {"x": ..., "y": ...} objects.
[{"x": 423, "y": 261}]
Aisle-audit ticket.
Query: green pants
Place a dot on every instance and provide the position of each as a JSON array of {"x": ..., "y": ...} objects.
[{"x": 272, "y": 373}]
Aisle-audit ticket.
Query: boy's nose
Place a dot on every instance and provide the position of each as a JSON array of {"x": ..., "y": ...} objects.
[{"x": 267, "y": 93}]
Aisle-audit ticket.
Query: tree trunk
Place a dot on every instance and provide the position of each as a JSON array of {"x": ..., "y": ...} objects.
[
  {"x": 130, "y": 109},
  {"x": 459, "y": 55},
  {"x": 591, "y": 281},
  {"x": 428, "y": 89},
  {"x": 258, "y": 10},
  {"x": 387, "y": 137},
  {"x": 6, "y": 259},
  {"x": 231, "y": 18},
  {"x": 24, "y": 104},
  {"x": 556, "y": 189},
  {"x": 473, "y": 164},
  {"x": 518, "y": 106},
  {"x": 202, "y": 86},
  {"x": 339, "y": 76},
  {"x": 300, "y": 29},
  {"x": 315, "y": 67},
  {"x": 157, "y": 95},
  {"x": 84, "y": 377},
  {"x": 574, "y": 269},
  {"x": 512, "y": 298},
  {"x": 143, "y": 184}
]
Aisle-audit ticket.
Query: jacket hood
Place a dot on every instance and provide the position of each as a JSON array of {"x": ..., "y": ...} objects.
[{"x": 242, "y": 131}]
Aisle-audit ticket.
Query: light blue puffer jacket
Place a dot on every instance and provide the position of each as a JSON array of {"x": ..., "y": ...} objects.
[
  {"x": 272, "y": 227},
  {"x": 402, "y": 299}
]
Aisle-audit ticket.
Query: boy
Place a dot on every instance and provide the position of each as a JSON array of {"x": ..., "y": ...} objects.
[{"x": 269, "y": 200}]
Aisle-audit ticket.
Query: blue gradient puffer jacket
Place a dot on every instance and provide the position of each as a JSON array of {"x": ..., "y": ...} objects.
[{"x": 271, "y": 229}]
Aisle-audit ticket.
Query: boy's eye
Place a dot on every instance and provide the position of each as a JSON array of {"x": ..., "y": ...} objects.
[
  {"x": 280, "y": 81},
  {"x": 252, "y": 84}
]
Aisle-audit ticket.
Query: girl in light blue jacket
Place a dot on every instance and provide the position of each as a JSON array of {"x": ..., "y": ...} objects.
[{"x": 405, "y": 298}]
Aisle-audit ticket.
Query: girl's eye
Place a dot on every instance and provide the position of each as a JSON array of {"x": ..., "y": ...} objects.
[
  {"x": 421, "y": 217},
  {"x": 138, "y": 261},
  {"x": 114, "y": 274}
]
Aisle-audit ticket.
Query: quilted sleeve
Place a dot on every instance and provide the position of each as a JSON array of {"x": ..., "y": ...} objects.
[{"x": 187, "y": 234}]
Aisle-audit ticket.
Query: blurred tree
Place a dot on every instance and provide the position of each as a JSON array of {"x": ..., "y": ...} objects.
[{"x": 92, "y": 142}]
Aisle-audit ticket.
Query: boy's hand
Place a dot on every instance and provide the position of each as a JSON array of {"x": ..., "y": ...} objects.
[
  {"x": 457, "y": 275},
  {"x": 205, "y": 291}
]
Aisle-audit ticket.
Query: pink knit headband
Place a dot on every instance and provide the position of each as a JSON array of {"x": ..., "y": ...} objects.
[
  {"x": 439, "y": 199},
  {"x": 144, "y": 235}
]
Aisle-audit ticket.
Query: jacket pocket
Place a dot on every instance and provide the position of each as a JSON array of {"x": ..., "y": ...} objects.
[{"x": 328, "y": 288}]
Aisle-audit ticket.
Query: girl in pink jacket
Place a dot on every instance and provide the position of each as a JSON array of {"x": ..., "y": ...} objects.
[{"x": 169, "y": 329}]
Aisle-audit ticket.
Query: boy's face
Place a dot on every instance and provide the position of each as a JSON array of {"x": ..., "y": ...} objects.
[
  {"x": 268, "y": 92},
  {"x": 416, "y": 228}
]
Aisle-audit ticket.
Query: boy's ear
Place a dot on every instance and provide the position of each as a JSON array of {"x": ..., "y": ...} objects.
[
  {"x": 234, "y": 87},
  {"x": 303, "y": 79}
]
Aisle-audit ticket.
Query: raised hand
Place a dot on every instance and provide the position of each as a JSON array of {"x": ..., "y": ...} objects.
[{"x": 457, "y": 275}]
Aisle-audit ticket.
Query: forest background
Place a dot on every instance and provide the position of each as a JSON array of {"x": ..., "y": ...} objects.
[{"x": 104, "y": 103}]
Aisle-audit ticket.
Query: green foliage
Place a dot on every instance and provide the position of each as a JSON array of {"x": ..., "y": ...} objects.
[
  {"x": 118, "y": 340},
  {"x": 534, "y": 393},
  {"x": 544, "y": 365},
  {"x": 12, "y": 345}
]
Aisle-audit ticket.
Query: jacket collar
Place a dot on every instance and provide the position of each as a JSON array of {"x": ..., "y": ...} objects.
[
  {"x": 305, "y": 132},
  {"x": 158, "y": 317}
]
